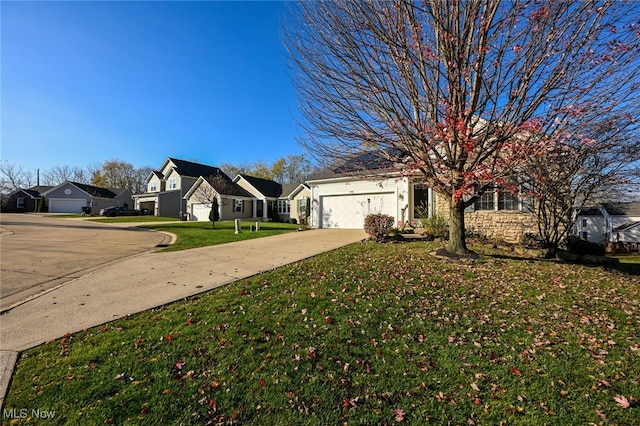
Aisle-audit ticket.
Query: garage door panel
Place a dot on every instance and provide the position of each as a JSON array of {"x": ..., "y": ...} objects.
[
  {"x": 66, "y": 205},
  {"x": 200, "y": 212},
  {"x": 349, "y": 211}
]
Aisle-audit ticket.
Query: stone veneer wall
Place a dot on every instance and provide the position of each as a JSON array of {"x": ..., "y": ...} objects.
[
  {"x": 504, "y": 225},
  {"x": 508, "y": 226}
]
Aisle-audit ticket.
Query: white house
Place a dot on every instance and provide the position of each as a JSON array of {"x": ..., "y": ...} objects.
[
  {"x": 610, "y": 222},
  {"x": 343, "y": 197}
]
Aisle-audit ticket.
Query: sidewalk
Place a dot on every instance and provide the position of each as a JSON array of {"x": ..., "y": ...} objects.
[{"x": 150, "y": 280}]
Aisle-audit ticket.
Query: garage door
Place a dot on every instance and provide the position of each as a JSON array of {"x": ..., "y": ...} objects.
[
  {"x": 66, "y": 205},
  {"x": 349, "y": 211},
  {"x": 200, "y": 212}
]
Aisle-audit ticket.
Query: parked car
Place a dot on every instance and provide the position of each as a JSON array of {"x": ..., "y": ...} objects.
[{"x": 118, "y": 211}]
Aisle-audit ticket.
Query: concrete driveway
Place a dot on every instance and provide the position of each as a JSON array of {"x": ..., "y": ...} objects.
[
  {"x": 145, "y": 281},
  {"x": 40, "y": 252}
]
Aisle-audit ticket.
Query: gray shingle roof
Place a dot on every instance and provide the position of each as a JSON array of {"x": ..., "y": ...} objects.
[
  {"x": 188, "y": 168},
  {"x": 623, "y": 209},
  {"x": 266, "y": 187}
]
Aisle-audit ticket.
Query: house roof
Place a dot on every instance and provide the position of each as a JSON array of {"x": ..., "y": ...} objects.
[
  {"x": 33, "y": 192},
  {"x": 188, "y": 168},
  {"x": 230, "y": 188},
  {"x": 94, "y": 191},
  {"x": 623, "y": 209},
  {"x": 360, "y": 164},
  {"x": 290, "y": 190},
  {"x": 266, "y": 187},
  {"x": 627, "y": 226},
  {"x": 589, "y": 211}
]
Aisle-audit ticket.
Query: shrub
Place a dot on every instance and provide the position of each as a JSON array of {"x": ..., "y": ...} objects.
[
  {"x": 378, "y": 225},
  {"x": 435, "y": 226},
  {"x": 530, "y": 240},
  {"x": 273, "y": 214},
  {"x": 293, "y": 221},
  {"x": 577, "y": 245}
]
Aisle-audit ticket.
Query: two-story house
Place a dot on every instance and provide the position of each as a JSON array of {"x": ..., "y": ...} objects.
[{"x": 167, "y": 187}]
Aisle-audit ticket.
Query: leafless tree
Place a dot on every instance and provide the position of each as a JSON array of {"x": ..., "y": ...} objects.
[
  {"x": 573, "y": 173},
  {"x": 58, "y": 174},
  {"x": 13, "y": 176},
  {"x": 214, "y": 193},
  {"x": 459, "y": 92}
]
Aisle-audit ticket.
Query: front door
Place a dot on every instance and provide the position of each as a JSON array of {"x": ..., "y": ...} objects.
[
  {"x": 259, "y": 208},
  {"x": 421, "y": 208}
]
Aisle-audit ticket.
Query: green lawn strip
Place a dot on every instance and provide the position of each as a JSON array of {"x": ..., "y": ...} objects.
[
  {"x": 200, "y": 234},
  {"x": 367, "y": 334},
  {"x": 629, "y": 262}
]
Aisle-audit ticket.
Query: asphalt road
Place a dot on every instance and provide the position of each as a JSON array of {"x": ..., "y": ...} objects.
[{"x": 38, "y": 253}]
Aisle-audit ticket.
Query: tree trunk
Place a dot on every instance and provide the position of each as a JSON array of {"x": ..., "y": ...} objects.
[{"x": 457, "y": 244}]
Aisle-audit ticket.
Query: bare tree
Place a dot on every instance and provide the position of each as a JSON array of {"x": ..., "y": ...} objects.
[
  {"x": 58, "y": 174},
  {"x": 459, "y": 92},
  {"x": 580, "y": 168},
  {"x": 232, "y": 170},
  {"x": 14, "y": 176},
  {"x": 214, "y": 194}
]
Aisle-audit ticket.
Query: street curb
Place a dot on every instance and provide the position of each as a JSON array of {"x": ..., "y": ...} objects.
[{"x": 8, "y": 361}]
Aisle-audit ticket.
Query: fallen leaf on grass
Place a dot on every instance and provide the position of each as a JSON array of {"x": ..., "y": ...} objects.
[
  {"x": 400, "y": 415},
  {"x": 622, "y": 401}
]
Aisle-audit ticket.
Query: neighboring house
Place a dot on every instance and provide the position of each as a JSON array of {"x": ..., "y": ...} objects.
[
  {"x": 610, "y": 222},
  {"x": 167, "y": 187},
  {"x": 290, "y": 200},
  {"x": 74, "y": 197},
  {"x": 266, "y": 193},
  {"x": 343, "y": 197},
  {"x": 233, "y": 201},
  {"x": 25, "y": 200},
  {"x": 298, "y": 197}
]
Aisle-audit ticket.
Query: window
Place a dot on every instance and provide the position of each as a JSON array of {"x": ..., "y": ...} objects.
[
  {"x": 507, "y": 201},
  {"x": 486, "y": 201},
  {"x": 284, "y": 207},
  {"x": 238, "y": 206},
  {"x": 584, "y": 223},
  {"x": 584, "y": 235},
  {"x": 173, "y": 184},
  {"x": 20, "y": 203},
  {"x": 153, "y": 186},
  {"x": 302, "y": 205}
]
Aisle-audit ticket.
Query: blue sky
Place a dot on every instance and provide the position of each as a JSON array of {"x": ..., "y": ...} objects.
[{"x": 84, "y": 82}]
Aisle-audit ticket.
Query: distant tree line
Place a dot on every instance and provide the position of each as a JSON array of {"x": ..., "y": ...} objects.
[{"x": 290, "y": 169}]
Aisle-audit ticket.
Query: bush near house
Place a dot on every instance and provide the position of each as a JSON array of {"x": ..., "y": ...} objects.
[
  {"x": 378, "y": 226},
  {"x": 577, "y": 245}
]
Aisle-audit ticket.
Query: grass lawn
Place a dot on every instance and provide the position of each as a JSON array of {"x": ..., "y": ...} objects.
[
  {"x": 199, "y": 234},
  {"x": 368, "y": 334},
  {"x": 628, "y": 262}
]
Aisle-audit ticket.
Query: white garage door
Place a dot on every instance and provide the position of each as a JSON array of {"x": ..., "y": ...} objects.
[
  {"x": 66, "y": 205},
  {"x": 349, "y": 211},
  {"x": 200, "y": 212}
]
